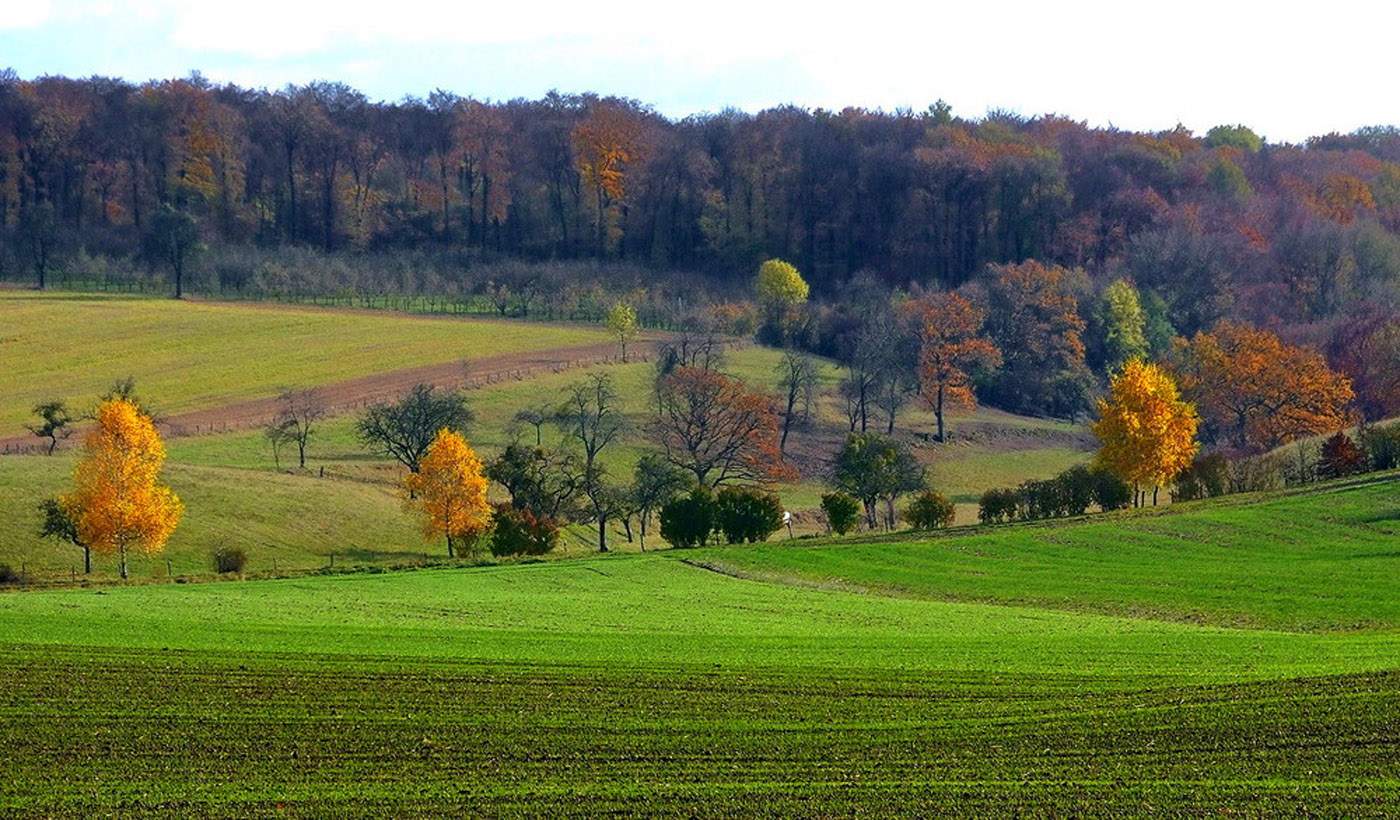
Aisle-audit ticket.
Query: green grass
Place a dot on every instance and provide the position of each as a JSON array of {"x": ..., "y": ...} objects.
[
  {"x": 191, "y": 355},
  {"x": 645, "y": 685},
  {"x": 1321, "y": 558}
]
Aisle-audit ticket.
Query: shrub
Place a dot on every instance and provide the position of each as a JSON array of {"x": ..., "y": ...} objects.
[
  {"x": 842, "y": 512},
  {"x": 1110, "y": 491},
  {"x": 996, "y": 506},
  {"x": 747, "y": 514},
  {"x": 1077, "y": 490},
  {"x": 1340, "y": 457},
  {"x": 8, "y": 575},
  {"x": 519, "y": 532},
  {"x": 228, "y": 560},
  {"x": 928, "y": 511},
  {"x": 1382, "y": 446},
  {"x": 689, "y": 520},
  {"x": 1205, "y": 478},
  {"x": 1255, "y": 474}
]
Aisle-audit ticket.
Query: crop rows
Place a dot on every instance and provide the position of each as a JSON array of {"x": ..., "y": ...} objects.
[{"x": 136, "y": 733}]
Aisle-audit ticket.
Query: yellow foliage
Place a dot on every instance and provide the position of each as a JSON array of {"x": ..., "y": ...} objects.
[
  {"x": 779, "y": 283},
  {"x": 449, "y": 491},
  {"x": 1148, "y": 432},
  {"x": 116, "y": 499}
]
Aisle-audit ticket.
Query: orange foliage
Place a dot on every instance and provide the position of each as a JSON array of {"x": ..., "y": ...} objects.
[
  {"x": 950, "y": 347},
  {"x": 116, "y": 499},
  {"x": 712, "y": 426},
  {"x": 449, "y": 491},
  {"x": 1257, "y": 392},
  {"x": 1148, "y": 432}
]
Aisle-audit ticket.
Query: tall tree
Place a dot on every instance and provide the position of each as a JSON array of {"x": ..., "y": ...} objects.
[
  {"x": 591, "y": 418},
  {"x": 609, "y": 143},
  {"x": 406, "y": 428},
  {"x": 449, "y": 491},
  {"x": 1123, "y": 324},
  {"x": 1033, "y": 317},
  {"x": 1148, "y": 434},
  {"x": 951, "y": 351},
  {"x": 797, "y": 378},
  {"x": 117, "y": 501}
]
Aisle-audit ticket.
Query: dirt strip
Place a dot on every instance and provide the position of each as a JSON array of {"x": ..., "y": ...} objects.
[{"x": 354, "y": 394}]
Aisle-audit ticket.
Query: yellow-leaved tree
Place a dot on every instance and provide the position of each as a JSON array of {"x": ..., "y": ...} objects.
[
  {"x": 1148, "y": 432},
  {"x": 449, "y": 491},
  {"x": 622, "y": 324},
  {"x": 117, "y": 502}
]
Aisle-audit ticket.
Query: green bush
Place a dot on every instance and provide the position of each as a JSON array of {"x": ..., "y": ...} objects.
[
  {"x": 929, "y": 510},
  {"x": 1111, "y": 492},
  {"x": 1382, "y": 446},
  {"x": 689, "y": 520},
  {"x": 519, "y": 532},
  {"x": 842, "y": 512},
  {"x": 1205, "y": 478},
  {"x": 229, "y": 560},
  {"x": 747, "y": 514},
  {"x": 997, "y": 505}
]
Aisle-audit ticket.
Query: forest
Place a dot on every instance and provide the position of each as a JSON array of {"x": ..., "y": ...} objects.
[{"x": 317, "y": 189}]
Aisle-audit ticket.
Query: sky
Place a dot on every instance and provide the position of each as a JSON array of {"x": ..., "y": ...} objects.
[{"x": 1137, "y": 66}]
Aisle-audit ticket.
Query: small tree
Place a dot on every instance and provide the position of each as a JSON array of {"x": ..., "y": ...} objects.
[
  {"x": 622, "y": 324},
  {"x": 876, "y": 468},
  {"x": 117, "y": 503},
  {"x": 929, "y": 510},
  {"x": 1148, "y": 433},
  {"x": 406, "y": 428},
  {"x": 655, "y": 483},
  {"x": 797, "y": 378},
  {"x": 61, "y": 523},
  {"x": 449, "y": 491},
  {"x": 174, "y": 239},
  {"x": 538, "y": 480},
  {"x": 842, "y": 512},
  {"x": 747, "y": 514},
  {"x": 998, "y": 505},
  {"x": 951, "y": 351},
  {"x": 1340, "y": 457},
  {"x": 54, "y": 421},
  {"x": 688, "y": 521},
  {"x": 592, "y": 418},
  {"x": 779, "y": 288},
  {"x": 299, "y": 411},
  {"x": 519, "y": 532}
]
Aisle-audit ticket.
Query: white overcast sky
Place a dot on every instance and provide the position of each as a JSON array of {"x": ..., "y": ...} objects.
[{"x": 1289, "y": 70}]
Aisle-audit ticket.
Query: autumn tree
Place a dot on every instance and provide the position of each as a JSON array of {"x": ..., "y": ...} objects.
[
  {"x": 1255, "y": 392},
  {"x": 779, "y": 289},
  {"x": 449, "y": 491},
  {"x": 711, "y": 425},
  {"x": 1033, "y": 317},
  {"x": 622, "y": 324},
  {"x": 1148, "y": 434},
  {"x": 1123, "y": 324},
  {"x": 117, "y": 502},
  {"x": 951, "y": 350},
  {"x": 406, "y": 428},
  {"x": 609, "y": 143}
]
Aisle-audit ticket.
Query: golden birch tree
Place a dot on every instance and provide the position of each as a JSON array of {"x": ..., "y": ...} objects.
[
  {"x": 1148, "y": 433},
  {"x": 449, "y": 491}
]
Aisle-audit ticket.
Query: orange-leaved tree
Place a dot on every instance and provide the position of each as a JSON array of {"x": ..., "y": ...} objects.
[
  {"x": 449, "y": 491},
  {"x": 1256, "y": 392},
  {"x": 710, "y": 425},
  {"x": 1148, "y": 432},
  {"x": 951, "y": 348},
  {"x": 117, "y": 502}
]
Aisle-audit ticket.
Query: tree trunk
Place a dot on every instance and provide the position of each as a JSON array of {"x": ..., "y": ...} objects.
[
  {"x": 87, "y": 560},
  {"x": 602, "y": 534},
  {"x": 450, "y": 552},
  {"x": 938, "y": 412},
  {"x": 121, "y": 551}
]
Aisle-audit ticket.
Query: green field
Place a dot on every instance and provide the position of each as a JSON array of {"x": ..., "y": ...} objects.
[
  {"x": 844, "y": 681},
  {"x": 192, "y": 355}
]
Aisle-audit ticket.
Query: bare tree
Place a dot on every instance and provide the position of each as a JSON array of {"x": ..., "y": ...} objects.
[
  {"x": 797, "y": 378},
  {"x": 537, "y": 416},
  {"x": 591, "y": 417},
  {"x": 298, "y": 414}
]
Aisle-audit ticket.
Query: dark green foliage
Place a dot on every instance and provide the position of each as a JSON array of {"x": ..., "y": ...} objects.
[
  {"x": 1077, "y": 489},
  {"x": 842, "y": 512},
  {"x": 1382, "y": 446},
  {"x": 875, "y": 468},
  {"x": 1207, "y": 477},
  {"x": 929, "y": 510},
  {"x": 537, "y": 479},
  {"x": 407, "y": 427},
  {"x": 228, "y": 560},
  {"x": 54, "y": 421},
  {"x": 516, "y": 531},
  {"x": 688, "y": 521},
  {"x": 8, "y": 575},
  {"x": 57, "y": 523},
  {"x": 1111, "y": 492},
  {"x": 747, "y": 514},
  {"x": 1340, "y": 457},
  {"x": 997, "y": 506}
]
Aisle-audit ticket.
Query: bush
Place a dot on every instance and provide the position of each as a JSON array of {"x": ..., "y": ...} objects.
[
  {"x": 1382, "y": 446},
  {"x": 1255, "y": 474},
  {"x": 1340, "y": 457},
  {"x": 1205, "y": 478},
  {"x": 229, "y": 559},
  {"x": 928, "y": 511},
  {"x": 519, "y": 532},
  {"x": 1077, "y": 490},
  {"x": 747, "y": 514},
  {"x": 1110, "y": 491},
  {"x": 996, "y": 506},
  {"x": 8, "y": 575},
  {"x": 842, "y": 512},
  {"x": 689, "y": 520}
]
